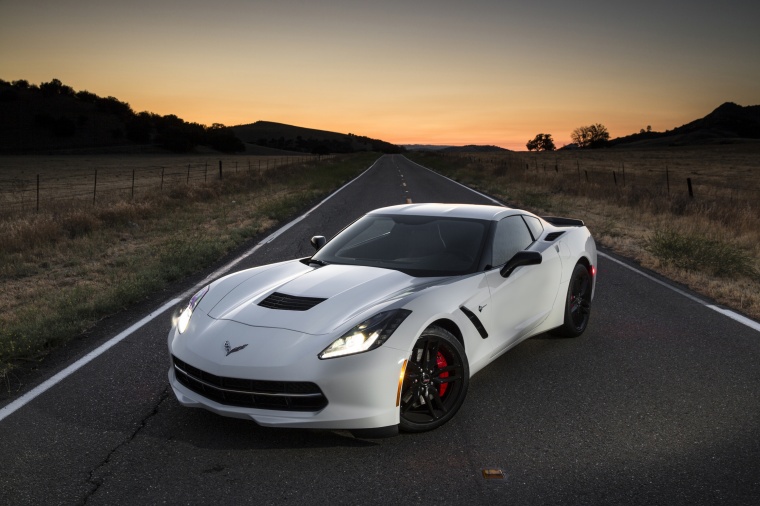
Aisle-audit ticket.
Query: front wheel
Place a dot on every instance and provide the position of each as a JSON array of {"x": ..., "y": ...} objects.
[
  {"x": 577, "y": 303},
  {"x": 435, "y": 382}
]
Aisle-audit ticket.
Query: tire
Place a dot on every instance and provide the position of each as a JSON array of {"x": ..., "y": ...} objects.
[
  {"x": 435, "y": 383},
  {"x": 577, "y": 304}
]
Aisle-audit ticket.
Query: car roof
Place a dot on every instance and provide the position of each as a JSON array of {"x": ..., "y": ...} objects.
[{"x": 480, "y": 212}]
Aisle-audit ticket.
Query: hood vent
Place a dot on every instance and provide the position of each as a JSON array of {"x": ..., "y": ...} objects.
[
  {"x": 290, "y": 302},
  {"x": 553, "y": 236}
]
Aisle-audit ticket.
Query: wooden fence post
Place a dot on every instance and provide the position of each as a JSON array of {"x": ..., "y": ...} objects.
[
  {"x": 220, "y": 170},
  {"x": 691, "y": 191},
  {"x": 95, "y": 187},
  {"x": 667, "y": 179},
  {"x": 133, "y": 184}
]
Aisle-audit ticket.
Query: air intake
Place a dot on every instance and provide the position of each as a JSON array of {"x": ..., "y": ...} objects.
[
  {"x": 247, "y": 393},
  {"x": 553, "y": 236},
  {"x": 289, "y": 302},
  {"x": 475, "y": 321}
]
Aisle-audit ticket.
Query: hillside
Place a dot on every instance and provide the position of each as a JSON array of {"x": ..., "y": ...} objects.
[
  {"x": 471, "y": 148},
  {"x": 309, "y": 140},
  {"x": 728, "y": 123},
  {"x": 54, "y": 118}
]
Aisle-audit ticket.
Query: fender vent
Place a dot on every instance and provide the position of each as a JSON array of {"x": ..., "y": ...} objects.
[
  {"x": 475, "y": 321},
  {"x": 553, "y": 236},
  {"x": 290, "y": 302}
]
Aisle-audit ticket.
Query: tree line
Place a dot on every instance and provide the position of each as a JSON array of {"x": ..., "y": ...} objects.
[
  {"x": 590, "y": 136},
  {"x": 62, "y": 112}
]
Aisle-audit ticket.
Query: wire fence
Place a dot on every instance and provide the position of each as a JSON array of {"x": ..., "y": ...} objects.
[
  {"x": 663, "y": 182},
  {"x": 736, "y": 184},
  {"x": 49, "y": 188}
]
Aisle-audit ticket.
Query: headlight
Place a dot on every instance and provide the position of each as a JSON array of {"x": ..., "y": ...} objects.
[
  {"x": 367, "y": 335},
  {"x": 184, "y": 319}
]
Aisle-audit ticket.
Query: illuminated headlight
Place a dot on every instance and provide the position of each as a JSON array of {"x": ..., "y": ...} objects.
[
  {"x": 366, "y": 336},
  {"x": 184, "y": 319}
]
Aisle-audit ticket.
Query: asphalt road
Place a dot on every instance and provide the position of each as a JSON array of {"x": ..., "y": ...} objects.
[{"x": 657, "y": 403}]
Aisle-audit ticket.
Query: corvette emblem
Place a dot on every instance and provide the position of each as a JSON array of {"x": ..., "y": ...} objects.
[
  {"x": 229, "y": 349},
  {"x": 480, "y": 308}
]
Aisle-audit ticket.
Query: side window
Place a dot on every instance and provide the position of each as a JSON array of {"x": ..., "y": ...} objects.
[
  {"x": 512, "y": 235},
  {"x": 534, "y": 224}
]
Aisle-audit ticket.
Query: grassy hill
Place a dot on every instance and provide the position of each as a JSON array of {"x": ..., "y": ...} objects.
[
  {"x": 309, "y": 140},
  {"x": 729, "y": 123}
]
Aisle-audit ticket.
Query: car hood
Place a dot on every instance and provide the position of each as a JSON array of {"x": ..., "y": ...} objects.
[{"x": 347, "y": 290}]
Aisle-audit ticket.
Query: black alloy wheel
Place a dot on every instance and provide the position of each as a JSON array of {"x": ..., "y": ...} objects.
[
  {"x": 577, "y": 304},
  {"x": 435, "y": 382}
]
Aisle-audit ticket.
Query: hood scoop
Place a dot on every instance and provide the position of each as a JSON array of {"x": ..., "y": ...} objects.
[{"x": 290, "y": 302}]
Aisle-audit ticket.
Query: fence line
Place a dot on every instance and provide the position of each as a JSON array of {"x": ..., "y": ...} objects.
[
  {"x": 699, "y": 187},
  {"x": 39, "y": 191}
]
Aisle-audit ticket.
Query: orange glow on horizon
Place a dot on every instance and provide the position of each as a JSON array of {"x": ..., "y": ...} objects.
[{"x": 445, "y": 73}]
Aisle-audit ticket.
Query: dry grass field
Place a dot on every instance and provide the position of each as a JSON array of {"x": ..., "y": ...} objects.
[
  {"x": 51, "y": 180},
  {"x": 73, "y": 263},
  {"x": 636, "y": 202}
]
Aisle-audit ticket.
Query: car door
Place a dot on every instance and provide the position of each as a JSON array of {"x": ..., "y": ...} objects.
[{"x": 521, "y": 301}]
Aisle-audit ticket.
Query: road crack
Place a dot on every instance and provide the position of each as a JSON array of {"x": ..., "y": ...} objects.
[{"x": 93, "y": 480}]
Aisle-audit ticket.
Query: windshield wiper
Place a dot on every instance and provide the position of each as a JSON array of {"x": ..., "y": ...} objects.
[{"x": 321, "y": 263}]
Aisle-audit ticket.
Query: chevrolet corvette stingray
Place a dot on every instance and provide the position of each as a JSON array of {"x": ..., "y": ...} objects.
[{"x": 382, "y": 328}]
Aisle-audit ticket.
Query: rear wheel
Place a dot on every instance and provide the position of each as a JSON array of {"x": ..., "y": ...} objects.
[
  {"x": 577, "y": 303},
  {"x": 435, "y": 382}
]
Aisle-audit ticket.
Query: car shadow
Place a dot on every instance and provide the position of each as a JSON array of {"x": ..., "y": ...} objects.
[{"x": 204, "y": 429}]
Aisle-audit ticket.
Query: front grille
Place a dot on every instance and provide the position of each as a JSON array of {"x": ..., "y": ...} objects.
[
  {"x": 290, "y": 302},
  {"x": 279, "y": 395}
]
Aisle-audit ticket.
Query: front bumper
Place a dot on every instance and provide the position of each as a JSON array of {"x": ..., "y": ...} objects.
[{"x": 359, "y": 390}]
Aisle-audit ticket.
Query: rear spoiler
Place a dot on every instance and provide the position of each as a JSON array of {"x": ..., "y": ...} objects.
[{"x": 563, "y": 222}]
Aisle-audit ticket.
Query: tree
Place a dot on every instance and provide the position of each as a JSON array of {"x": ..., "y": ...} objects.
[
  {"x": 541, "y": 142},
  {"x": 591, "y": 136},
  {"x": 56, "y": 87}
]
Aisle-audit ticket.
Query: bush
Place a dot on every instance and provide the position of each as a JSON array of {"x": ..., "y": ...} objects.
[{"x": 698, "y": 253}]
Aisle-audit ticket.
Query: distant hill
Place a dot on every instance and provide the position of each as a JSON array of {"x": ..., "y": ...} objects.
[
  {"x": 424, "y": 147},
  {"x": 728, "y": 123},
  {"x": 54, "y": 118},
  {"x": 308, "y": 140},
  {"x": 473, "y": 149}
]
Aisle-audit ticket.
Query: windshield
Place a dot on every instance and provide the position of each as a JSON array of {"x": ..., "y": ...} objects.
[{"x": 416, "y": 245}]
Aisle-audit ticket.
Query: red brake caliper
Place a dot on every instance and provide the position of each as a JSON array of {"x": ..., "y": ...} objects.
[{"x": 440, "y": 361}]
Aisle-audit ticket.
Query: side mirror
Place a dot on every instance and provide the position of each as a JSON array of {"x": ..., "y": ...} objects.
[
  {"x": 318, "y": 241},
  {"x": 520, "y": 258}
]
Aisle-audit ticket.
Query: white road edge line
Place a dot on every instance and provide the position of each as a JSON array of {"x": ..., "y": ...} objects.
[
  {"x": 51, "y": 382},
  {"x": 726, "y": 312},
  {"x": 68, "y": 371}
]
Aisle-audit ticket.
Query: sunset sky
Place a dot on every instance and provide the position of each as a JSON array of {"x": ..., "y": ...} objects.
[{"x": 411, "y": 71}]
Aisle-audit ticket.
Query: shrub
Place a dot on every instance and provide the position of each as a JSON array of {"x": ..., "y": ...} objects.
[{"x": 698, "y": 253}]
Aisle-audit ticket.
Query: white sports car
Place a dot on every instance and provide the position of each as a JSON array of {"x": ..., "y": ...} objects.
[{"x": 383, "y": 327}]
